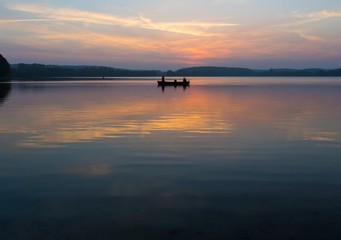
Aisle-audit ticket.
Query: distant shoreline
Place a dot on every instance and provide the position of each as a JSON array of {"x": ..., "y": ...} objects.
[
  {"x": 25, "y": 72},
  {"x": 127, "y": 79}
]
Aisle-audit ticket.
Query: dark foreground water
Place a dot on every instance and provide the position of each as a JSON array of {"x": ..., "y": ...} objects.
[{"x": 227, "y": 158}]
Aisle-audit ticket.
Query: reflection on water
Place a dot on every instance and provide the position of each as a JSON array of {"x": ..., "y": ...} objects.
[
  {"x": 70, "y": 115},
  {"x": 124, "y": 160},
  {"x": 89, "y": 170},
  {"x": 167, "y": 87},
  {"x": 70, "y": 119},
  {"x": 5, "y": 89}
]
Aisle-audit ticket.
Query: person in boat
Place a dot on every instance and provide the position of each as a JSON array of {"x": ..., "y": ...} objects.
[
  {"x": 184, "y": 80},
  {"x": 175, "y": 82},
  {"x": 163, "y": 79}
]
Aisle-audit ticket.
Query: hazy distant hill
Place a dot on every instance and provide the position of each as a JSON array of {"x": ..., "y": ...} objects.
[
  {"x": 228, "y": 71},
  {"x": 215, "y": 71},
  {"x": 43, "y": 71},
  {"x": 40, "y": 71}
]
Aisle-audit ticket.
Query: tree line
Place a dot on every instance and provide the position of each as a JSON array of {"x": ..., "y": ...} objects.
[
  {"x": 5, "y": 68},
  {"x": 41, "y": 71},
  {"x": 27, "y": 71},
  {"x": 229, "y": 71}
]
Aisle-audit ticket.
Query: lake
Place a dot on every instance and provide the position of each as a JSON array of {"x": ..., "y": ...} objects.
[{"x": 226, "y": 158}]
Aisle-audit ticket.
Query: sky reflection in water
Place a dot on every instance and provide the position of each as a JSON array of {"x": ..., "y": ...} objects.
[
  {"x": 56, "y": 114},
  {"x": 257, "y": 160}
]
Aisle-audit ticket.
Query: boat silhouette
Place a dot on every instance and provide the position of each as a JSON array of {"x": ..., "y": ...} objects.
[{"x": 183, "y": 83}]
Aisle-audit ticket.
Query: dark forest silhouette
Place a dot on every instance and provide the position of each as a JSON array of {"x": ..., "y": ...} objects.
[
  {"x": 45, "y": 71},
  {"x": 5, "y": 68},
  {"x": 229, "y": 71},
  {"x": 40, "y": 71}
]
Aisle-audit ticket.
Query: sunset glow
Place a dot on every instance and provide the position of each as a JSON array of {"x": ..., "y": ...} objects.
[
  {"x": 189, "y": 114},
  {"x": 171, "y": 34}
]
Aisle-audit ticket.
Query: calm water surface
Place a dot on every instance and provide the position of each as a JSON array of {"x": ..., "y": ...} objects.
[{"x": 227, "y": 158}]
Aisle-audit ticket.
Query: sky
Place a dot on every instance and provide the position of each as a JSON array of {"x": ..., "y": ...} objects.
[{"x": 171, "y": 34}]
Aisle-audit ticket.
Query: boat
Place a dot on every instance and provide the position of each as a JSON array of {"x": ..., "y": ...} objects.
[{"x": 163, "y": 83}]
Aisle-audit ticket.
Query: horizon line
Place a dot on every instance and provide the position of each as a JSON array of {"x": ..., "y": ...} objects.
[{"x": 197, "y": 66}]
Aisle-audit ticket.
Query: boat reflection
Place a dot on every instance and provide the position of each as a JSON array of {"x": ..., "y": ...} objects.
[
  {"x": 89, "y": 114},
  {"x": 163, "y": 87}
]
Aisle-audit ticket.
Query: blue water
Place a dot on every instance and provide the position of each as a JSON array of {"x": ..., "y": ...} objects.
[{"x": 226, "y": 158}]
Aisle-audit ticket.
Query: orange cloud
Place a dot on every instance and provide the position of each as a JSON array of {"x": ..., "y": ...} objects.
[
  {"x": 76, "y": 35},
  {"x": 74, "y": 15}
]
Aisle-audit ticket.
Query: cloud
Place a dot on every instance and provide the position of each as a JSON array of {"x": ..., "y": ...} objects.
[
  {"x": 5, "y": 21},
  {"x": 73, "y": 35},
  {"x": 45, "y": 13},
  {"x": 305, "y": 18},
  {"x": 317, "y": 16}
]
